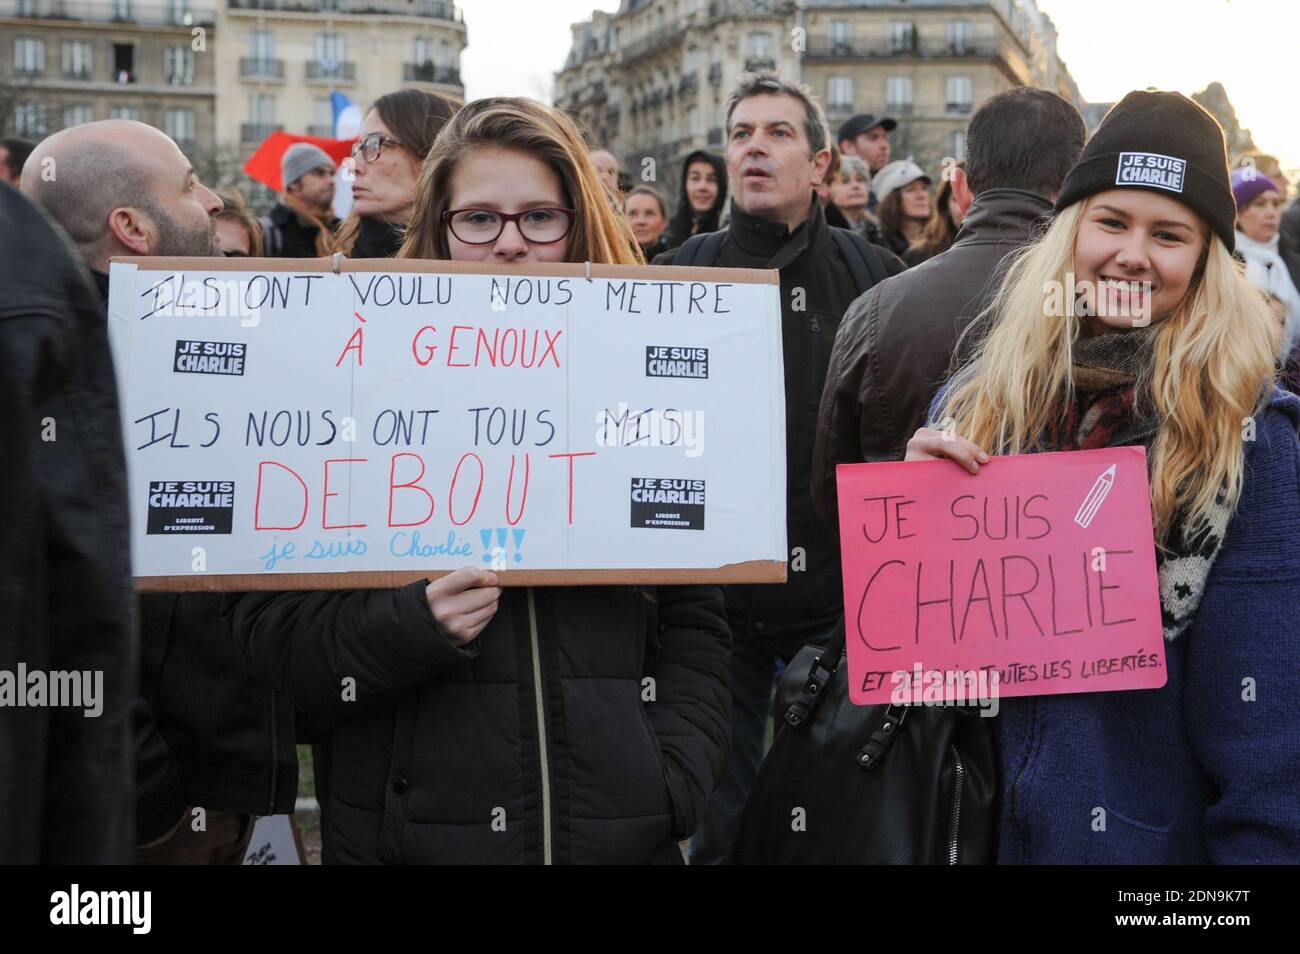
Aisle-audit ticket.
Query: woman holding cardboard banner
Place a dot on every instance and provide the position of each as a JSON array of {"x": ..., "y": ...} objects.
[
  {"x": 1158, "y": 340},
  {"x": 478, "y": 724}
]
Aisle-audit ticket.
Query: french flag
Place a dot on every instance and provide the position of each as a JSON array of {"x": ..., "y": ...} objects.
[{"x": 347, "y": 125}]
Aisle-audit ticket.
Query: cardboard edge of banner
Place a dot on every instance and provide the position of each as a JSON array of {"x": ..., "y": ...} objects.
[
  {"x": 756, "y": 276},
  {"x": 750, "y": 571}
]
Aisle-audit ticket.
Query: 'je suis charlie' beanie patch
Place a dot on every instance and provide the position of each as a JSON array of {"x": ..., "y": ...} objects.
[{"x": 1163, "y": 142}]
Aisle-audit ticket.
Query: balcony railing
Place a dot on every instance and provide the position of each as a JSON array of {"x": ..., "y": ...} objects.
[
  {"x": 324, "y": 131},
  {"x": 736, "y": 9},
  {"x": 100, "y": 11},
  {"x": 258, "y": 68},
  {"x": 652, "y": 42},
  {"x": 331, "y": 70},
  {"x": 715, "y": 73},
  {"x": 823, "y": 48},
  {"x": 715, "y": 136},
  {"x": 434, "y": 9},
  {"x": 689, "y": 82},
  {"x": 430, "y": 73},
  {"x": 961, "y": 107},
  {"x": 256, "y": 132},
  {"x": 80, "y": 73},
  {"x": 755, "y": 63}
]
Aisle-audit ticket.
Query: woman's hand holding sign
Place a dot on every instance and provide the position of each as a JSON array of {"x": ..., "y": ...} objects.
[
  {"x": 929, "y": 444},
  {"x": 463, "y": 603}
]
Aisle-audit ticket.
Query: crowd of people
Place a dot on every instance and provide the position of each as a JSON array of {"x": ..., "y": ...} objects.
[{"x": 508, "y": 724}]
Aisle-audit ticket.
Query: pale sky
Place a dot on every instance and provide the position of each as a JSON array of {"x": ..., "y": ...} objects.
[
  {"x": 1252, "y": 47},
  {"x": 1111, "y": 46}
]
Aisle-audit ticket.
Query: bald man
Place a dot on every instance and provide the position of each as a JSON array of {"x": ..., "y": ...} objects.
[
  {"x": 213, "y": 748},
  {"x": 119, "y": 187}
]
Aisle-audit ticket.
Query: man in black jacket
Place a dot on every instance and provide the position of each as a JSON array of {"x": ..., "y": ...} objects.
[
  {"x": 778, "y": 150},
  {"x": 895, "y": 344},
  {"x": 66, "y": 785},
  {"x": 302, "y": 223},
  {"x": 213, "y": 748}
]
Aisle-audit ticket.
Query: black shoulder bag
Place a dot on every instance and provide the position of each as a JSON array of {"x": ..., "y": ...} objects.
[{"x": 847, "y": 784}]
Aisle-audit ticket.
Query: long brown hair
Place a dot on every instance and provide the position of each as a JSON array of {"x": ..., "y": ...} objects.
[
  {"x": 939, "y": 232},
  {"x": 599, "y": 234},
  {"x": 415, "y": 118}
]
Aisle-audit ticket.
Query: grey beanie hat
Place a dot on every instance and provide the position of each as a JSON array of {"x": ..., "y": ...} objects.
[{"x": 300, "y": 159}]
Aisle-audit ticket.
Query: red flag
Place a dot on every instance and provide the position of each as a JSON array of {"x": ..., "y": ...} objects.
[{"x": 264, "y": 164}]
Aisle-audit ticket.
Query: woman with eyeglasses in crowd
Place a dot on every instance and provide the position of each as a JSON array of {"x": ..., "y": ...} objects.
[
  {"x": 530, "y": 725},
  {"x": 396, "y": 134}
]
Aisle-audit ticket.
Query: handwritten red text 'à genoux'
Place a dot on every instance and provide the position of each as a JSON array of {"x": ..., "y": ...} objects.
[{"x": 469, "y": 346}]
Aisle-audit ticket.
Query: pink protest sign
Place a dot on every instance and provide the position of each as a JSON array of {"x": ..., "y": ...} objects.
[{"x": 1040, "y": 569}]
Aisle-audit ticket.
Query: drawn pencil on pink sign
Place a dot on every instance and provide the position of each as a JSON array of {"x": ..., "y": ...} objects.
[{"x": 1095, "y": 497}]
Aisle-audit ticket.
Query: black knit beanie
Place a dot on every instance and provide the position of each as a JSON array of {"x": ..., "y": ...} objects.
[{"x": 1164, "y": 142}]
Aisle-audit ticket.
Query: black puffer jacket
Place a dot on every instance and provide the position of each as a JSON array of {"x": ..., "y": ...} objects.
[
  {"x": 66, "y": 604},
  {"x": 533, "y": 745}
]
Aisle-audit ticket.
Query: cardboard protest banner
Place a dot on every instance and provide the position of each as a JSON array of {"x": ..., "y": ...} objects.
[
  {"x": 1035, "y": 576},
  {"x": 290, "y": 427}
]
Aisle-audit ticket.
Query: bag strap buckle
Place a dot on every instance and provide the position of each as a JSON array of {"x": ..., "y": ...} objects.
[
  {"x": 882, "y": 738},
  {"x": 802, "y": 708}
]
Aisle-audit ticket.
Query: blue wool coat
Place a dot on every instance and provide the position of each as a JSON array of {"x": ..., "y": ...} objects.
[{"x": 1196, "y": 771}]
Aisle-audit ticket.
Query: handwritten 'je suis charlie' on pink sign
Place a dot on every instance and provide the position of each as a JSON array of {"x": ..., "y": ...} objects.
[{"x": 1038, "y": 573}]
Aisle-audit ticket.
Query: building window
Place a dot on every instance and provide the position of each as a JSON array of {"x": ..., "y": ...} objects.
[
  {"x": 29, "y": 55},
  {"x": 76, "y": 115},
  {"x": 423, "y": 52},
  {"x": 125, "y": 112},
  {"x": 178, "y": 12},
  {"x": 76, "y": 60},
  {"x": 29, "y": 120},
  {"x": 180, "y": 125},
  {"x": 261, "y": 46},
  {"x": 898, "y": 94},
  {"x": 759, "y": 45},
  {"x": 841, "y": 36},
  {"x": 959, "y": 145},
  {"x": 959, "y": 94},
  {"x": 324, "y": 116},
  {"x": 839, "y": 93},
  {"x": 902, "y": 37},
  {"x": 122, "y": 10},
  {"x": 261, "y": 109},
  {"x": 123, "y": 63},
  {"x": 958, "y": 36},
  {"x": 445, "y": 58},
  {"x": 178, "y": 65},
  {"x": 330, "y": 54}
]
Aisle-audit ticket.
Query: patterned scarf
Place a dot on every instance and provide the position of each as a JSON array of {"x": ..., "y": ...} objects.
[{"x": 1107, "y": 411}]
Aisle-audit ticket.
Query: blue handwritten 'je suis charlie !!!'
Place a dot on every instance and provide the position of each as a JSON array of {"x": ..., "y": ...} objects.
[{"x": 403, "y": 543}]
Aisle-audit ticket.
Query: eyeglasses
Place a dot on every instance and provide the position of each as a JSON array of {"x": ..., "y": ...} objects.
[
  {"x": 371, "y": 146},
  {"x": 484, "y": 226}
]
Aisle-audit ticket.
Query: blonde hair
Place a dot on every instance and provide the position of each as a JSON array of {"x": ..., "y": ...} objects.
[
  {"x": 1212, "y": 360},
  {"x": 599, "y": 233}
]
